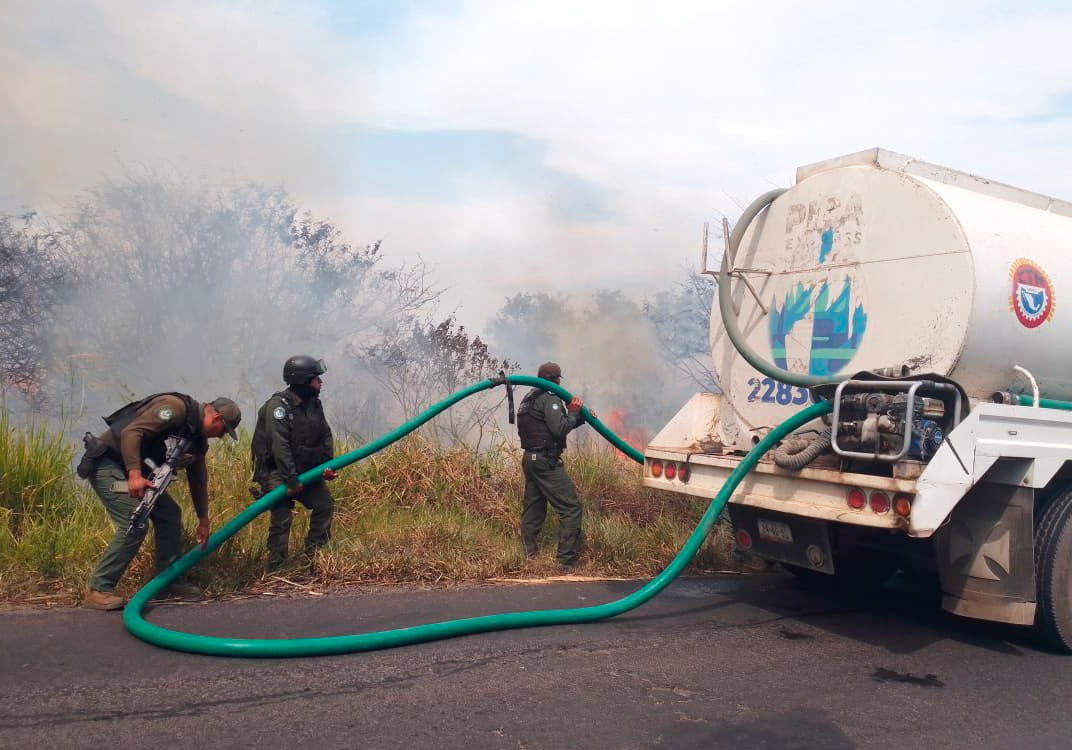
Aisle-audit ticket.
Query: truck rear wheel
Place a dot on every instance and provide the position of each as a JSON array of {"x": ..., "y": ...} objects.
[{"x": 1053, "y": 573}]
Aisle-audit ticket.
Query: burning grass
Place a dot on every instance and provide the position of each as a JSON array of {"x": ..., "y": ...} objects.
[{"x": 414, "y": 513}]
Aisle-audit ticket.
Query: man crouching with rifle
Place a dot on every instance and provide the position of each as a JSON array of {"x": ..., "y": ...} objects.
[{"x": 129, "y": 467}]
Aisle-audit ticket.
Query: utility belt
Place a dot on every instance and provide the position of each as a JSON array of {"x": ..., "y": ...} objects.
[
  {"x": 263, "y": 468},
  {"x": 552, "y": 451},
  {"x": 96, "y": 449}
]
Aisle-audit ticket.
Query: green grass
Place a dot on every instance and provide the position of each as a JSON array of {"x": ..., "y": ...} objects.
[
  {"x": 50, "y": 531},
  {"x": 414, "y": 513}
]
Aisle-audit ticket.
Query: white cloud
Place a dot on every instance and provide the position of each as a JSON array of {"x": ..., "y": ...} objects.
[
  {"x": 250, "y": 60},
  {"x": 220, "y": 91},
  {"x": 641, "y": 96}
]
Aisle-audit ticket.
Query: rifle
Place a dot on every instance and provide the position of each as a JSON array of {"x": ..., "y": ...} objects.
[
  {"x": 159, "y": 479},
  {"x": 503, "y": 380}
]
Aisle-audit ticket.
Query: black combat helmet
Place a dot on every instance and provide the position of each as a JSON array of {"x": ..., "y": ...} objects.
[{"x": 300, "y": 369}]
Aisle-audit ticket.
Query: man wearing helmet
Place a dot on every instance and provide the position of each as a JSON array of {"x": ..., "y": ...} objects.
[
  {"x": 291, "y": 437},
  {"x": 543, "y": 421}
]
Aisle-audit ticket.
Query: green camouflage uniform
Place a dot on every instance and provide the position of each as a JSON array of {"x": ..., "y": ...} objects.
[
  {"x": 543, "y": 423},
  {"x": 156, "y": 419}
]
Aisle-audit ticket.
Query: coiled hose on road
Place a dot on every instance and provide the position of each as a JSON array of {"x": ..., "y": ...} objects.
[{"x": 343, "y": 644}]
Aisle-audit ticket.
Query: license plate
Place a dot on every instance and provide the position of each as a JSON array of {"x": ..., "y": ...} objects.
[{"x": 774, "y": 531}]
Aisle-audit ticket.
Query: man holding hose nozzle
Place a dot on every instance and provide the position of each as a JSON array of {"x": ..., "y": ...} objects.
[
  {"x": 291, "y": 437},
  {"x": 113, "y": 464},
  {"x": 543, "y": 421}
]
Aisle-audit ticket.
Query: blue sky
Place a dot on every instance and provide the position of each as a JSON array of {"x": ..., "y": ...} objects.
[
  {"x": 530, "y": 146},
  {"x": 433, "y": 165}
]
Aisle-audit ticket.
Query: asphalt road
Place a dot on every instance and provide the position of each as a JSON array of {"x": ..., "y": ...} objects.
[{"x": 744, "y": 662}]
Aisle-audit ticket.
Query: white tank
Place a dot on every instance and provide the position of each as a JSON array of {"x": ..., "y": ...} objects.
[{"x": 877, "y": 260}]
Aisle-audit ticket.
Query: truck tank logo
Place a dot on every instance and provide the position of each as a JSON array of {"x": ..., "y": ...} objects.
[
  {"x": 837, "y": 327},
  {"x": 1031, "y": 296}
]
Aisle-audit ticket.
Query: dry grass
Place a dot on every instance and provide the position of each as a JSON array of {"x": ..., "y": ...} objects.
[{"x": 414, "y": 513}]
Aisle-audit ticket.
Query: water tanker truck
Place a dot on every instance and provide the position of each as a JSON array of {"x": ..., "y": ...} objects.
[{"x": 925, "y": 303}]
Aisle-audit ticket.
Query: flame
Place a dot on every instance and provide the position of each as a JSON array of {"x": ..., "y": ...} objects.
[
  {"x": 618, "y": 422},
  {"x": 22, "y": 385}
]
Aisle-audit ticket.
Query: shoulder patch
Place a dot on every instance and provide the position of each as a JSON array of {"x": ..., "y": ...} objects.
[
  {"x": 554, "y": 406},
  {"x": 165, "y": 414},
  {"x": 279, "y": 412}
]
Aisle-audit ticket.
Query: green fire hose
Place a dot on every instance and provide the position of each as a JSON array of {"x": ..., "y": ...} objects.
[
  {"x": 343, "y": 644},
  {"x": 1022, "y": 399}
]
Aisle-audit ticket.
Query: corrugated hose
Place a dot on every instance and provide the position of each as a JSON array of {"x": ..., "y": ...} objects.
[{"x": 343, "y": 644}]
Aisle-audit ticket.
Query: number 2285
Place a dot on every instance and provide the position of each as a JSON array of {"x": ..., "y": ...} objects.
[{"x": 770, "y": 391}]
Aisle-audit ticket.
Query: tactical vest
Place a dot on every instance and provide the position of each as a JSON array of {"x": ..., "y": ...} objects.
[
  {"x": 532, "y": 426},
  {"x": 308, "y": 432},
  {"x": 154, "y": 447}
]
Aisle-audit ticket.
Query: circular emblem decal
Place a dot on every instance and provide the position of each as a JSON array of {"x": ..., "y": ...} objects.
[
  {"x": 1031, "y": 296},
  {"x": 164, "y": 414},
  {"x": 279, "y": 412}
]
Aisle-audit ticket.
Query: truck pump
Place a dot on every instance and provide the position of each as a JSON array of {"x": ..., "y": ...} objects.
[
  {"x": 899, "y": 307},
  {"x": 922, "y": 302}
]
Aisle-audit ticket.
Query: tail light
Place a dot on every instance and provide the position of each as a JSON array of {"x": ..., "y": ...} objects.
[
  {"x": 902, "y": 505},
  {"x": 880, "y": 502},
  {"x": 744, "y": 539},
  {"x": 671, "y": 470},
  {"x": 857, "y": 499},
  {"x": 683, "y": 473},
  {"x": 656, "y": 469}
]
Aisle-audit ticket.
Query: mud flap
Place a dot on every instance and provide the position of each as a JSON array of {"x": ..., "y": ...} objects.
[
  {"x": 984, "y": 554},
  {"x": 803, "y": 542}
]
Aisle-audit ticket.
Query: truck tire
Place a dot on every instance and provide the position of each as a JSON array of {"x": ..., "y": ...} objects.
[{"x": 1053, "y": 573}]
